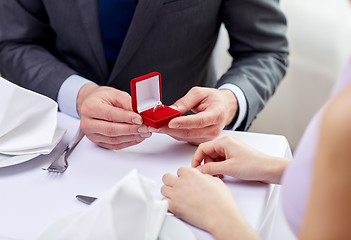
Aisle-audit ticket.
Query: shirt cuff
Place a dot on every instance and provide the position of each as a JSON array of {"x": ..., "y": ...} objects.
[
  {"x": 68, "y": 93},
  {"x": 241, "y": 102}
]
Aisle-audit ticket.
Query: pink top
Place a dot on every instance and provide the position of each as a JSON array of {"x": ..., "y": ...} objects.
[{"x": 298, "y": 175}]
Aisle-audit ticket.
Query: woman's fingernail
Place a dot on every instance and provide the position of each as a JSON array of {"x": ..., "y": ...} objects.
[
  {"x": 199, "y": 168},
  {"x": 137, "y": 121}
]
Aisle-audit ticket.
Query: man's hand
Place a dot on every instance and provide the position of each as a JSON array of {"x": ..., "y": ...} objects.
[
  {"x": 213, "y": 108},
  {"x": 107, "y": 117}
]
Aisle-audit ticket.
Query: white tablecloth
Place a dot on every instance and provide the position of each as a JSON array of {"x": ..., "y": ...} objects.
[{"x": 31, "y": 199}]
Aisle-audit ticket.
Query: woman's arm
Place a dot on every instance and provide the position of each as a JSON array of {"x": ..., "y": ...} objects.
[{"x": 328, "y": 214}]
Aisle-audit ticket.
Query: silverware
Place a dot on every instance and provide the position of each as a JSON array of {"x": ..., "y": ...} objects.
[
  {"x": 60, "y": 164},
  {"x": 86, "y": 199}
]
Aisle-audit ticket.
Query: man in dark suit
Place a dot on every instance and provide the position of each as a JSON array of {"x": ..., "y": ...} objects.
[{"x": 83, "y": 54}]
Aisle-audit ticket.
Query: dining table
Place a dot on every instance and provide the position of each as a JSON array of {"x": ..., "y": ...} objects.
[{"x": 33, "y": 199}]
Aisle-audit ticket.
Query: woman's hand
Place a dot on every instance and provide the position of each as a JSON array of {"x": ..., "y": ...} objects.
[
  {"x": 230, "y": 156},
  {"x": 205, "y": 202}
]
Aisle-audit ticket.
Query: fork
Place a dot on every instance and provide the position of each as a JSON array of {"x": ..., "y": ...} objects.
[{"x": 60, "y": 164}]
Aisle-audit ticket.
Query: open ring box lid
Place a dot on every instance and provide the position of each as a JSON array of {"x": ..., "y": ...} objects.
[{"x": 147, "y": 100}]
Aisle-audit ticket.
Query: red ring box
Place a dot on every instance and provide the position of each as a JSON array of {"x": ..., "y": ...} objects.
[{"x": 146, "y": 99}]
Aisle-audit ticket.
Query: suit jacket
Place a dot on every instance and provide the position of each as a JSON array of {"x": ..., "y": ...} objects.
[{"x": 42, "y": 42}]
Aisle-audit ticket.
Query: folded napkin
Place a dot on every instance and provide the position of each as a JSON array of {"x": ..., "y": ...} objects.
[
  {"x": 27, "y": 121},
  {"x": 128, "y": 211}
]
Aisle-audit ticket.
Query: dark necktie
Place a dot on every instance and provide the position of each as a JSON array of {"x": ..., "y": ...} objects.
[{"x": 115, "y": 17}]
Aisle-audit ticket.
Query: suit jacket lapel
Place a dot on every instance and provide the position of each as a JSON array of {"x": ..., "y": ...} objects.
[
  {"x": 88, "y": 9},
  {"x": 143, "y": 19}
]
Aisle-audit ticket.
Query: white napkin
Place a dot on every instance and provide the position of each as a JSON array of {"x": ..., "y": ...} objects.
[
  {"x": 27, "y": 121},
  {"x": 128, "y": 211}
]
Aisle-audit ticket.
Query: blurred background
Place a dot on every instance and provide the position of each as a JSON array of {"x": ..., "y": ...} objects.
[{"x": 319, "y": 34}]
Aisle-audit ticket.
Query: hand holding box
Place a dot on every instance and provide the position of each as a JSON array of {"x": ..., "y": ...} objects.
[{"x": 147, "y": 100}]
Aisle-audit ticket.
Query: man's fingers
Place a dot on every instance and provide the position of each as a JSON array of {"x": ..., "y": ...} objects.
[
  {"x": 118, "y": 146},
  {"x": 111, "y": 129},
  {"x": 190, "y": 100},
  {"x": 199, "y": 120},
  {"x": 120, "y": 99},
  {"x": 191, "y": 134},
  {"x": 110, "y": 113},
  {"x": 98, "y": 138}
]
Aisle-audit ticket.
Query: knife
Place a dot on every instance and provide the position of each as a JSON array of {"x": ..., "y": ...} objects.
[{"x": 86, "y": 199}]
